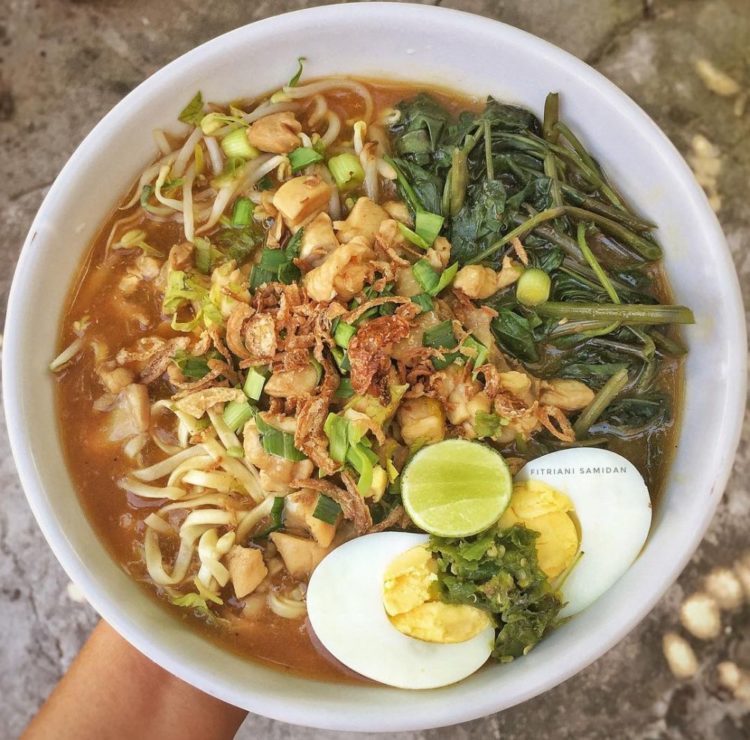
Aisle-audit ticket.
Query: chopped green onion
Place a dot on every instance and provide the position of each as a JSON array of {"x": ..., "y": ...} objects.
[
  {"x": 276, "y": 516},
  {"x": 343, "y": 334},
  {"x": 427, "y": 226},
  {"x": 242, "y": 212},
  {"x": 318, "y": 370},
  {"x": 190, "y": 366},
  {"x": 202, "y": 255},
  {"x": 254, "y": 383},
  {"x": 533, "y": 287},
  {"x": 440, "y": 336},
  {"x": 192, "y": 113},
  {"x": 424, "y": 301},
  {"x": 430, "y": 280},
  {"x": 336, "y": 429},
  {"x": 413, "y": 237},
  {"x": 488, "y": 425},
  {"x": 235, "y": 144},
  {"x": 281, "y": 444},
  {"x": 345, "y": 390},
  {"x": 446, "y": 278},
  {"x": 237, "y": 414},
  {"x": 480, "y": 352},
  {"x": 346, "y": 170},
  {"x": 342, "y": 359},
  {"x": 326, "y": 510},
  {"x": 426, "y": 275},
  {"x": 358, "y": 458},
  {"x": 302, "y": 157}
]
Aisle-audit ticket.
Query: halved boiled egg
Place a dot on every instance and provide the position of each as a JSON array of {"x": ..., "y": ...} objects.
[
  {"x": 611, "y": 506},
  {"x": 355, "y": 588}
]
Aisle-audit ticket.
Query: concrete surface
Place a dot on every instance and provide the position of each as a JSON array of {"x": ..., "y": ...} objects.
[{"x": 64, "y": 64}]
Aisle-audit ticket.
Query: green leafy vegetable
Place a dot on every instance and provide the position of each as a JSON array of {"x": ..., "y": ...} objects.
[
  {"x": 192, "y": 113},
  {"x": 498, "y": 571}
]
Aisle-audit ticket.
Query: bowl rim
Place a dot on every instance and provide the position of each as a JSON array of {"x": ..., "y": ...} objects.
[{"x": 279, "y": 709}]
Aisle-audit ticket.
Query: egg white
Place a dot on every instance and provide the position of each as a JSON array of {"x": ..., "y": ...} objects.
[
  {"x": 613, "y": 508},
  {"x": 346, "y": 612}
]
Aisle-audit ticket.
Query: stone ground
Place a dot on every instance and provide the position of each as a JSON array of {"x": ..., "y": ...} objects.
[{"x": 64, "y": 64}]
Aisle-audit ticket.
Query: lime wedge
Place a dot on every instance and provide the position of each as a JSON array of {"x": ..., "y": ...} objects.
[{"x": 456, "y": 488}]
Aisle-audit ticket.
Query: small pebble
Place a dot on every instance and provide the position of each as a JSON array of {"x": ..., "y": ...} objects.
[
  {"x": 728, "y": 675},
  {"x": 715, "y": 80},
  {"x": 725, "y": 588},
  {"x": 742, "y": 571},
  {"x": 75, "y": 593},
  {"x": 700, "y": 616},
  {"x": 680, "y": 656}
]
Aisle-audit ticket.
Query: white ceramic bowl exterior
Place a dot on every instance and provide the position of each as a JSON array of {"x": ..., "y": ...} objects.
[{"x": 411, "y": 43}]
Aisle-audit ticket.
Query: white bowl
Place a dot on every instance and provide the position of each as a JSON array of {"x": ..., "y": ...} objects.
[{"x": 419, "y": 43}]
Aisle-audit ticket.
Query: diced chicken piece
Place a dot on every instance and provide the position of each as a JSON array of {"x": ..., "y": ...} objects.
[
  {"x": 113, "y": 377},
  {"x": 318, "y": 241},
  {"x": 301, "y": 199},
  {"x": 300, "y": 556},
  {"x": 196, "y": 404},
  {"x": 363, "y": 221},
  {"x": 518, "y": 384},
  {"x": 292, "y": 383},
  {"x": 342, "y": 274},
  {"x": 421, "y": 420},
  {"x": 399, "y": 211},
  {"x": 131, "y": 413},
  {"x": 439, "y": 254},
  {"x": 246, "y": 569},
  {"x": 568, "y": 395},
  {"x": 480, "y": 282},
  {"x": 298, "y": 514},
  {"x": 277, "y": 133}
]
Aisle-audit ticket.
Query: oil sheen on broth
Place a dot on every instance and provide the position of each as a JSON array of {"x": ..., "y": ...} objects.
[{"x": 110, "y": 430}]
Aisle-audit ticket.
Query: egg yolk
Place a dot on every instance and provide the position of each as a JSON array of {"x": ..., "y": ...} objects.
[
  {"x": 547, "y": 511},
  {"x": 410, "y": 597}
]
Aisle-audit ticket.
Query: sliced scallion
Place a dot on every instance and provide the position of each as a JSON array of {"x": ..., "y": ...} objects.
[
  {"x": 424, "y": 301},
  {"x": 326, "y": 510},
  {"x": 413, "y": 237},
  {"x": 440, "y": 336},
  {"x": 346, "y": 170},
  {"x": 343, "y": 334},
  {"x": 202, "y": 254},
  {"x": 302, "y": 157},
  {"x": 427, "y": 226},
  {"x": 237, "y": 414},
  {"x": 254, "y": 383},
  {"x": 336, "y": 429},
  {"x": 345, "y": 390},
  {"x": 235, "y": 144},
  {"x": 242, "y": 212}
]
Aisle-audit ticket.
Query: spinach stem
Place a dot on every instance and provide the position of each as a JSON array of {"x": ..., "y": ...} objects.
[
  {"x": 550, "y": 130},
  {"x": 599, "y": 403},
  {"x": 594, "y": 264},
  {"x": 632, "y": 314},
  {"x": 488, "y": 151}
]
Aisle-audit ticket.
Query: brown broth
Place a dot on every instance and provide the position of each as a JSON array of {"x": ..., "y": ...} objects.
[{"x": 95, "y": 466}]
